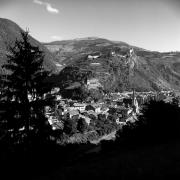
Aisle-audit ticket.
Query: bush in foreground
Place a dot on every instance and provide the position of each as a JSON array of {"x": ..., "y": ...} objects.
[{"x": 158, "y": 122}]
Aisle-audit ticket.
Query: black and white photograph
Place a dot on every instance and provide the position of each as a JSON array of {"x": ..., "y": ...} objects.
[{"x": 89, "y": 89}]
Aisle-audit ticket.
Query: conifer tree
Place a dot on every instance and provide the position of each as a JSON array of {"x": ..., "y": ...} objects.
[{"x": 24, "y": 87}]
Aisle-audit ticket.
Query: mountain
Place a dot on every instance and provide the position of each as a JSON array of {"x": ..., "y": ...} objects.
[
  {"x": 9, "y": 32},
  {"x": 116, "y": 63},
  {"x": 113, "y": 64}
]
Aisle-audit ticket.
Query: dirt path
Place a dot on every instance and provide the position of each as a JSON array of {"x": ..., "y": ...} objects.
[{"x": 110, "y": 136}]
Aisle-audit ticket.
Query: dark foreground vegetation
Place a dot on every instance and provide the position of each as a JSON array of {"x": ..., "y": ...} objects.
[{"x": 146, "y": 149}]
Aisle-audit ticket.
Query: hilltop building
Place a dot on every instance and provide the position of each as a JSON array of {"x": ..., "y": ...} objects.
[
  {"x": 122, "y": 52},
  {"x": 93, "y": 83}
]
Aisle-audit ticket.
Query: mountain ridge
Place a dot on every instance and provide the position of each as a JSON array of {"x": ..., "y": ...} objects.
[
  {"x": 9, "y": 32},
  {"x": 153, "y": 70},
  {"x": 59, "y": 42},
  {"x": 146, "y": 70}
]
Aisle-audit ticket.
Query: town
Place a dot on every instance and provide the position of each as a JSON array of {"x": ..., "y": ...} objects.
[{"x": 119, "y": 108}]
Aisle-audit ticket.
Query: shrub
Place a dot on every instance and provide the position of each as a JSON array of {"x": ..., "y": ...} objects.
[
  {"x": 93, "y": 136},
  {"x": 82, "y": 125},
  {"x": 159, "y": 121},
  {"x": 70, "y": 127}
]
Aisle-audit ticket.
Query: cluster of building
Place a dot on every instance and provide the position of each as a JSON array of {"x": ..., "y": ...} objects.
[{"x": 129, "y": 103}]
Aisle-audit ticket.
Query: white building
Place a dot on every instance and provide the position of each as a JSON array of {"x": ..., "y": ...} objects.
[{"x": 93, "y": 83}]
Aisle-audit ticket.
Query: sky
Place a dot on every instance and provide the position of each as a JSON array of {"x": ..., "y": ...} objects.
[{"x": 149, "y": 24}]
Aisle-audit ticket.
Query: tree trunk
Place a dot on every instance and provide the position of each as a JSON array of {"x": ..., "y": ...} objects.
[{"x": 26, "y": 118}]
